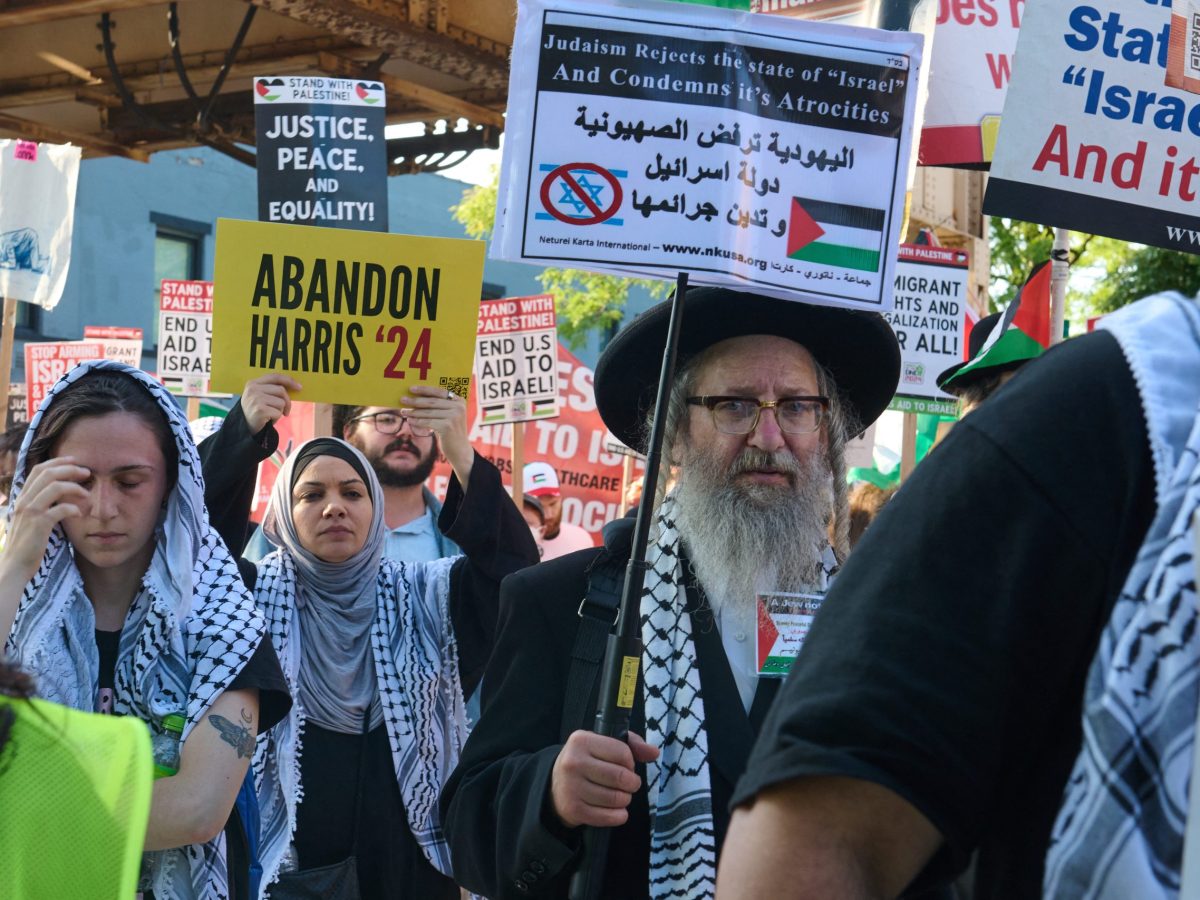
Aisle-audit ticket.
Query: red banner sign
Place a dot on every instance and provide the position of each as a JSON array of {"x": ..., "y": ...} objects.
[
  {"x": 47, "y": 362},
  {"x": 589, "y": 475}
]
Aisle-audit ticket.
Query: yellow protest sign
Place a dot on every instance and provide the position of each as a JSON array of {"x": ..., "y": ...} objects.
[{"x": 354, "y": 316}]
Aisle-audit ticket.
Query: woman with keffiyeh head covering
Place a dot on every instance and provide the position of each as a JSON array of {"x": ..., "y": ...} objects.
[
  {"x": 118, "y": 596},
  {"x": 378, "y": 654}
]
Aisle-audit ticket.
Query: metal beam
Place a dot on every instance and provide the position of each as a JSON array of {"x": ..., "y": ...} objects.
[
  {"x": 36, "y": 131},
  {"x": 38, "y": 12},
  {"x": 437, "y": 149},
  {"x": 384, "y": 25},
  {"x": 235, "y": 117},
  {"x": 436, "y": 101},
  {"x": 283, "y": 58}
]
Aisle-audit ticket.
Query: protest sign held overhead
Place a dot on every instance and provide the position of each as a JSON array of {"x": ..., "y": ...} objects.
[
  {"x": 120, "y": 343},
  {"x": 931, "y": 294},
  {"x": 185, "y": 335},
  {"x": 970, "y": 66},
  {"x": 1092, "y": 139},
  {"x": 46, "y": 362},
  {"x": 322, "y": 157},
  {"x": 354, "y": 316},
  {"x": 762, "y": 153},
  {"x": 38, "y": 183},
  {"x": 516, "y": 360}
]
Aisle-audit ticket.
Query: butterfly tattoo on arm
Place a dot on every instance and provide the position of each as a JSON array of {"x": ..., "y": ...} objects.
[{"x": 238, "y": 736}]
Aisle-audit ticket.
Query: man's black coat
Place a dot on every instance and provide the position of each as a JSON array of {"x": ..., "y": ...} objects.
[{"x": 505, "y": 840}]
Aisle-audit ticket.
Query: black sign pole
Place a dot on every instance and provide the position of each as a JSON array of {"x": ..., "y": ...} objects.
[{"x": 623, "y": 655}]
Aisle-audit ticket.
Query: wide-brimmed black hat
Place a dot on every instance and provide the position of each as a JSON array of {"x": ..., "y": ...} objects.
[
  {"x": 858, "y": 348},
  {"x": 980, "y": 332}
]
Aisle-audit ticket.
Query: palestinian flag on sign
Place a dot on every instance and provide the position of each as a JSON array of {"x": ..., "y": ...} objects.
[
  {"x": 369, "y": 91},
  {"x": 835, "y": 234},
  {"x": 494, "y": 413},
  {"x": 1024, "y": 329}
]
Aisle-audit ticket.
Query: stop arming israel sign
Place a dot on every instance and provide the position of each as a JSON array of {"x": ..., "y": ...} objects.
[
  {"x": 1092, "y": 138},
  {"x": 516, "y": 360},
  {"x": 46, "y": 362},
  {"x": 763, "y": 153}
]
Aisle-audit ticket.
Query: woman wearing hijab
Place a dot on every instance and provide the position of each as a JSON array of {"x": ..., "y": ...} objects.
[
  {"x": 375, "y": 651},
  {"x": 118, "y": 596}
]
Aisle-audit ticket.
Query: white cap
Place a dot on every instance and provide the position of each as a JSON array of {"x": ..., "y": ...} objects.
[{"x": 540, "y": 479}]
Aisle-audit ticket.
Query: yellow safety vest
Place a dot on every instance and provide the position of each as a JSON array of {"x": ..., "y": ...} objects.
[{"x": 74, "y": 803}]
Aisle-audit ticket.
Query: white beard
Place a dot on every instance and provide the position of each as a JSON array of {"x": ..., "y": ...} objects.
[{"x": 743, "y": 538}]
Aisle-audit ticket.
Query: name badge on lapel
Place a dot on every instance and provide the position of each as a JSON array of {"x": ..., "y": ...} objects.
[{"x": 783, "y": 623}]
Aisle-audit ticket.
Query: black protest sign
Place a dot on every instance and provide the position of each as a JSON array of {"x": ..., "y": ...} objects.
[
  {"x": 322, "y": 158},
  {"x": 18, "y": 409}
]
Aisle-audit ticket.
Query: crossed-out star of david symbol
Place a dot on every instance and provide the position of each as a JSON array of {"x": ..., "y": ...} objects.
[
  {"x": 576, "y": 203},
  {"x": 580, "y": 194}
]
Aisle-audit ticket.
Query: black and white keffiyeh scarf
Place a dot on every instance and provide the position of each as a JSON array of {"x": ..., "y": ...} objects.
[
  {"x": 189, "y": 632},
  {"x": 683, "y": 848},
  {"x": 1119, "y": 833},
  {"x": 416, "y": 671}
]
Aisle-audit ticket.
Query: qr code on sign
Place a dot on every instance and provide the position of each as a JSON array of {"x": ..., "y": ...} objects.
[{"x": 459, "y": 386}]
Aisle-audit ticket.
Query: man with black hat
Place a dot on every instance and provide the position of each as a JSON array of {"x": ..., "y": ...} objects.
[
  {"x": 1026, "y": 698},
  {"x": 766, "y": 394},
  {"x": 1002, "y": 343},
  {"x": 974, "y": 385}
]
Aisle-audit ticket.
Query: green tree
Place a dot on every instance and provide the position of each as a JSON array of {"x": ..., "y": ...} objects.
[
  {"x": 1106, "y": 273},
  {"x": 1017, "y": 247},
  {"x": 585, "y": 301},
  {"x": 1139, "y": 271}
]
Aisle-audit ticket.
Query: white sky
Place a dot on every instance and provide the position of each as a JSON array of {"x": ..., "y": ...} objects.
[{"x": 475, "y": 169}]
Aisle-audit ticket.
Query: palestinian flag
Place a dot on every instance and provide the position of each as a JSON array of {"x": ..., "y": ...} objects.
[
  {"x": 836, "y": 234},
  {"x": 1023, "y": 331},
  {"x": 969, "y": 322},
  {"x": 544, "y": 407},
  {"x": 270, "y": 89},
  {"x": 369, "y": 92},
  {"x": 494, "y": 413}
]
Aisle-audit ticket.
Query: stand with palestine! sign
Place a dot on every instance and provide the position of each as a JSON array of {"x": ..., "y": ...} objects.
[{"x": 516, "y": 360}]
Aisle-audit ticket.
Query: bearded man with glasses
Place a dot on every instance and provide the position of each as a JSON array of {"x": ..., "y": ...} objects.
[
  {"x": 402, "y": 452},
  {"x": 766, "y": 395}
]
